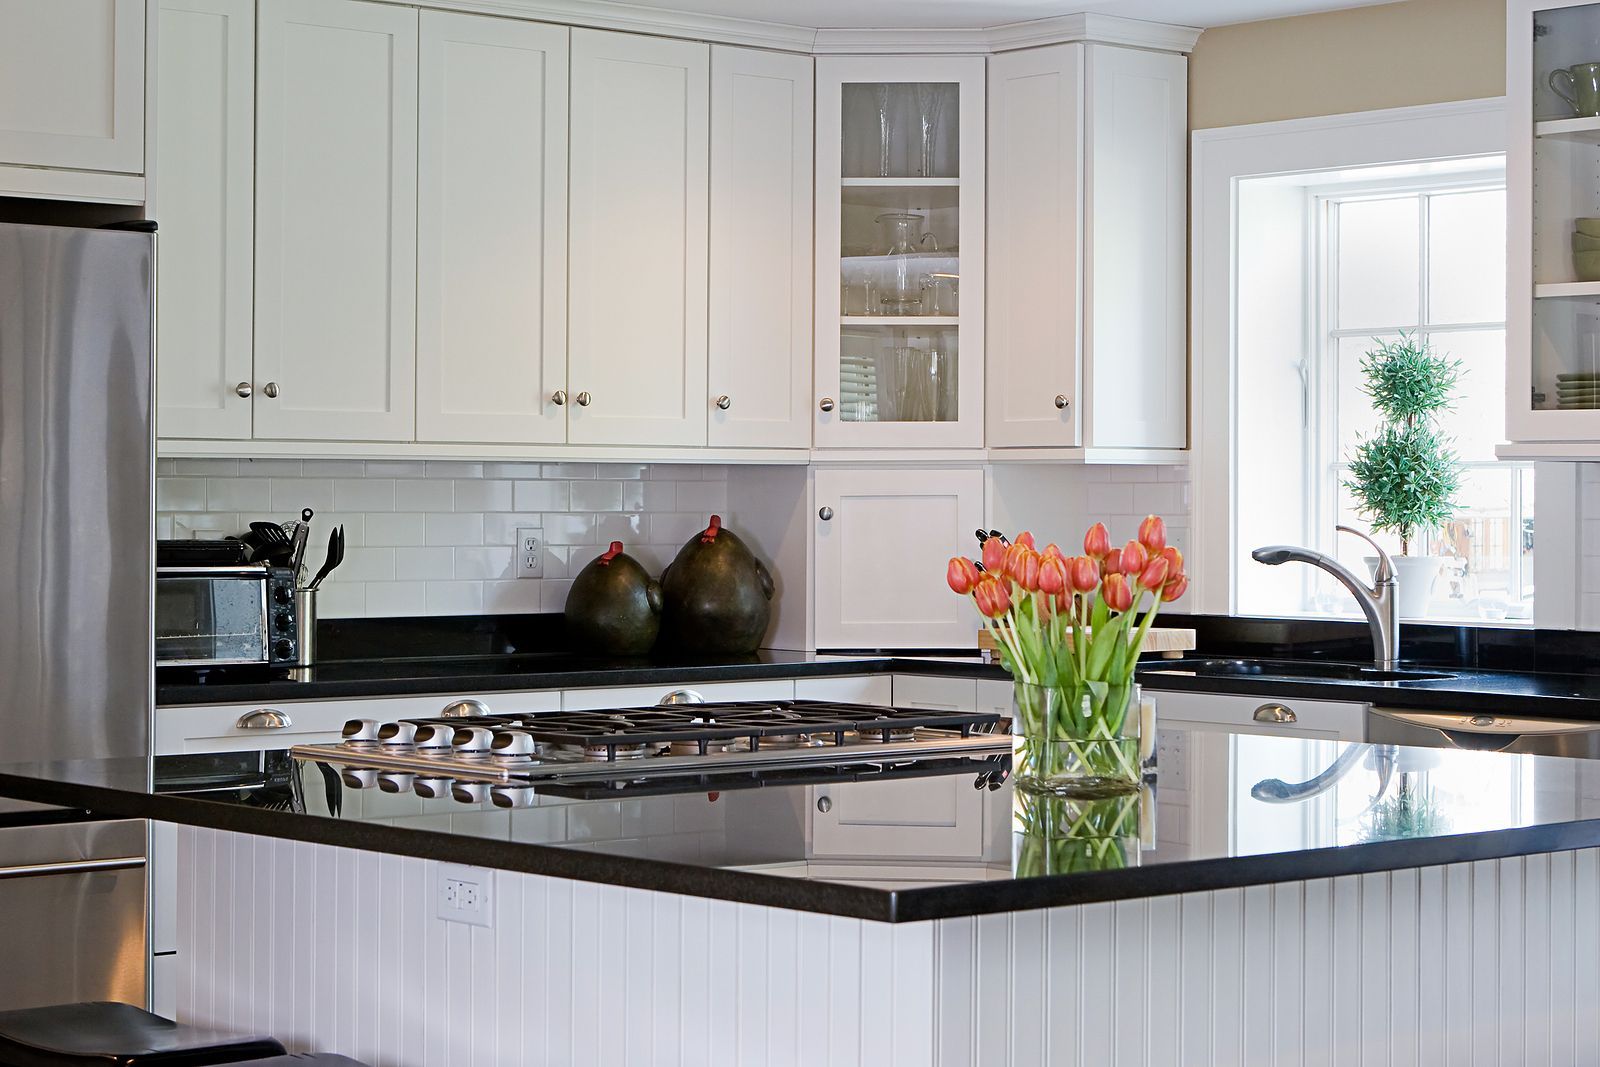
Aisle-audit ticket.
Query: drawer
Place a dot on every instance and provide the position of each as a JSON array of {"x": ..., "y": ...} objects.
[
  {"x": 874, "y": 689},
  {"x": 638, "y": 696},
  {"x": 1311, "y": 718}
]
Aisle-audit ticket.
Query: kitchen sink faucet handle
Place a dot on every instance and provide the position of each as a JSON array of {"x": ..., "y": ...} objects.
[{"x": 1385, "y": 572}]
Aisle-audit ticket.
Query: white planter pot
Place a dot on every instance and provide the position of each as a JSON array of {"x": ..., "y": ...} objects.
[{"x": 1416, "y": 575}]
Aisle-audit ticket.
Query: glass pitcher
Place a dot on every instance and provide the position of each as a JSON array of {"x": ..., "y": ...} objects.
[{"x": 901, "y": 291}]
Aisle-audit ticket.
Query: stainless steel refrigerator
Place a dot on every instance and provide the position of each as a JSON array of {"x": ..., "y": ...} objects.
[{"x": 76, "y": 585}]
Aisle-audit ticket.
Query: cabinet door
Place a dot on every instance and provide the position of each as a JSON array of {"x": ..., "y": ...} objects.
[
  {"x": 1134, "y": 285},
  {"x": 491, "y": 230},
  {"x": 934, "y": 818},
  {"x": 881, "y": 555},
  {"x": 205, "y": 142},
  {"x": 336, "y": 205},
  {"x": 72, "y": 84},
  {"x": 637, "y": 349},
  {"x": 759, "y": 385},
  {"x": 1035, "y": 220}
]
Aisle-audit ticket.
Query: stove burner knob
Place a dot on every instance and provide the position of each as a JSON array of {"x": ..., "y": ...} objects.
[
  {"x": 465, "y": 709},
  {"x": 399, "y": 734},
  {"x": 513, "y": 796},
  {"x": 513, "y": 745},
  {"x": 358, "y": 778},
  {"x": 470, "y": 792},
  {"x": 360, "y": 731},
  {"x": 432, "y": 788},
  {"x": 473, "y": 741},
  {"x": 396, "y": 782},
  {"x": 434, "y": 739}
]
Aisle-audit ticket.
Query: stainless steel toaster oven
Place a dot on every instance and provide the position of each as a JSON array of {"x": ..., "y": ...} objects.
[{"x": 212, "y": 615}]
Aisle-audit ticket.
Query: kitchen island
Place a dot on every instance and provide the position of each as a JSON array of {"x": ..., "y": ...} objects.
[{"x": 1268, "y": 900}]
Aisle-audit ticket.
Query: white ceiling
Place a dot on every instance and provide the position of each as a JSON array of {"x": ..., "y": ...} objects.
[{"x": 973, "y": 14}]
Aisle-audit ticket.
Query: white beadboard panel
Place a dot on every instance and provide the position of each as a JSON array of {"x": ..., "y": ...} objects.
[{"x": 1493, "y": 962}]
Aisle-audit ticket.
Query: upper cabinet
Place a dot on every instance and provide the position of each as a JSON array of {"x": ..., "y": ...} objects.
[
  {"x": 72, "y": 92},
  {"x": 636, "y": 358},
  {"x": 1553, "y": 201},
  {"x": 899, "y": 257},
  {"x": 1087, "y": 230},
  {"x": 759, "y": 364},
  {"x": 491, "y": 231},
  {"x": 336, "y": 220},
  {"x": 205, "y": 86}
]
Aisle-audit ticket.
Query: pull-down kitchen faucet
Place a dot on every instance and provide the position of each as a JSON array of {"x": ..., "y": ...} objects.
[{"x": 1380, "y": 603}]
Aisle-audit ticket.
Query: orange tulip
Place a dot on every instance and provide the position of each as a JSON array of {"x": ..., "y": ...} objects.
[
  {"x": 962, "y": 574},
  {"x": 1155, "y": 574},
  {"x": 1153, "y": 533},
  {"x": 1174, "y": 560},
  {"x": 1097, "y": 542},
  {"x": 1063, "y": 601},
  {"x": 1026, "y": 572},
  {"x": 1012, "y": 563},
  {"x": 1053, "y": 550},
  {"x": 994, "y": 555},
  {"x": 1053, "y": 577},
  {"x": 1134, "y": 557},
  {"x": 1084, "y": 574},
  {"x": 1112, "y": 564},
  {"x": 992, "y": 597},
  {"x": 1117, "y": 593},
  {"x": 1025, "y": 539},
  {"x": 1174, "y": 589}
]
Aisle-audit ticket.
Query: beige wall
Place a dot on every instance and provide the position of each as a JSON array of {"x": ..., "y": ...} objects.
[{"x": 1361, "y": 59}]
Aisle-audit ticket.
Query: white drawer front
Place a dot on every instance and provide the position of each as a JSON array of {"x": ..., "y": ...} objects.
[{"x": 638, "y": 696}]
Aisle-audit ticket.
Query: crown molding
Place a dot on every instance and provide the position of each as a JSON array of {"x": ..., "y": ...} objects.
[
  {"x": 632, "y": 18},
  {"x": 721, "y": 29}
]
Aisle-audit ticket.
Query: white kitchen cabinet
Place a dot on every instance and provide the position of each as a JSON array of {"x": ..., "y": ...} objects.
[
  {"x": 932, "y": 818},
  {"x": 205, "y": 144},
  {"x": 882, "y": 539},
  {"x": 856, "y": 689},
  {"x": 1087, "y": 228},
  {"x": 641, "y": 696},
  {"x": 759, "y": 360},
  {"x": 72, "y": 93},
  {"x": 639, "y": 240},
  {"x": 491, "y": 230},
  {"x": 899, "y": 252},
  {"x": 336, "y": 220},
  {"x": 1331, "y": 719},
  {"x": 242, "y": 727}
]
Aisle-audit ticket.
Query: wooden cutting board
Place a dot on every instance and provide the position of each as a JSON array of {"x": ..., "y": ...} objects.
[{"x": 1169, "y": 642}]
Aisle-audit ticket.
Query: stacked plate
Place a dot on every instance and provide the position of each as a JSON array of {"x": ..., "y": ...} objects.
[{"x": 1579, "y": 391}]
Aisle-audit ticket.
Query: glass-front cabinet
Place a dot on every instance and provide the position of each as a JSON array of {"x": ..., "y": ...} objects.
[
  {"x": 1553, "y": 315},
  {"x": 899, "y": 336}
]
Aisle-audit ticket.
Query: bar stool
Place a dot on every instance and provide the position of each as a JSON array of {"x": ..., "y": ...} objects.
[{"x": 117, "y": 1035}]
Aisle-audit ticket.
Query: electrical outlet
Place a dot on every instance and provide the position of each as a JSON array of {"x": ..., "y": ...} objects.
[
  {"x": 530, "y": 552},
  {"x": 464, "y": 895}
]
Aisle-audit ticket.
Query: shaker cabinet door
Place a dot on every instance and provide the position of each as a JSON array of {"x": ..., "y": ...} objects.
[
  {"x": 883, "y": 538},
  {"x": 1035, "y": 226},
  {"x": 759, "y": 381},
  {"x": 638, "y": 257},
  {"x": 72, "y": 84},
  {"x": 205, "y": 95},
  {"x": 491, "y": 230},
  {"x": 336, "y": 208}
]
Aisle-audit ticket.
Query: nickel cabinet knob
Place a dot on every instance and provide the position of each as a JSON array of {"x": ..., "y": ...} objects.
[
  {"x": 824, "y": 804},
  {"x": 584, "y": 399},
  {"x": 826, "y": 404},
  {"x": 1061, "y": 402},
  {"x": 271, "y": 389},
  {"x": 244, "y": 389},
  {"x": 559, "y": 397},
  {"x": 724, "y": 401},
  {"x": 825, "y": 513}
]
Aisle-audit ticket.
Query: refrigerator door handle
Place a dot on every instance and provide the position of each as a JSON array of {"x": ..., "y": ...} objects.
[{"x": 39, "y": 870}]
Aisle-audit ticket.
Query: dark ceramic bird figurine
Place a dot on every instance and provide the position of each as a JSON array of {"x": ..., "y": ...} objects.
[
  {"x": 717, "y": 596},
  {"x": 614, "y": 606}
]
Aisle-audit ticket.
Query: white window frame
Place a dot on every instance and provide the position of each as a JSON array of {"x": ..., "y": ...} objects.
[{"x": 1221, "y": 159}]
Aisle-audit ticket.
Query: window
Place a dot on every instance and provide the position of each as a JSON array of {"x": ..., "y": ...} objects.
[
  {"x": 1330, "y": 265},
  {"x": 1428, "y": 262}
]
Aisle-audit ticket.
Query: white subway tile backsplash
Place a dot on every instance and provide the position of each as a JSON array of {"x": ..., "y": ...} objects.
[
  {"x": 363, "y": 564},
  {"x": 500, "y": 527},
  {"x": 455, "y": 528},
  {"x": 270, "y": 468},
  {"x": 421, "y": 495},
  {"x": 454, "y": 598},
  {"x": 386, "y": 599},
  {"x": 424, "y": 563},
  {"x": 483, "y": 494},
  {"x": 292, "y": 494},
  {"x": 569, "y": 529},
  {"x": 397, "y": 528},
  {"x": 541, "y": 496},
  {"x": 596, "y": 496},
  {"x": 209, "y": 467},
  {"x": 180, "y": 494},
  {"x": 702, "y": 496},
  {"x": 512, "y": 597},
  {"x": 364, "y": 494},
  {"x": 238, "y": 494},
  {"x": 484, "y": 563},
  {"x": 453, "y": 469}
]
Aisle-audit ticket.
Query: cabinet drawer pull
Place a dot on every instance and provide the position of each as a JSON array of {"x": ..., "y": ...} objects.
[
  {"x": 681, "y": 696},
  {"x": 264, "y": 719},
  {"x": 1275, "y": 713}
]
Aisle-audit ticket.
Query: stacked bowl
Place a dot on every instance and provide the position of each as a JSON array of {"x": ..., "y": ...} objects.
[{"x": 1586, "y": 249}]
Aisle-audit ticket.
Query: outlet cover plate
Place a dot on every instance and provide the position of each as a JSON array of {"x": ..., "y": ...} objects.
[
  {"x": 465, "y": 894},
  {"x": 530, "y": 552}
]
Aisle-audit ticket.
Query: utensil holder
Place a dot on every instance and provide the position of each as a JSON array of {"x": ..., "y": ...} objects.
[{"x": 305, "y": 624}]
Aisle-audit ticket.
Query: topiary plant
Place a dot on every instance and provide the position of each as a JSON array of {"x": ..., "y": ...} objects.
[{"x": 1405, "y": 476}]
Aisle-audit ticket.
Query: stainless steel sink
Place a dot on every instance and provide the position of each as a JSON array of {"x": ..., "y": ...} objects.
[{"x": 1291, "y": 670}]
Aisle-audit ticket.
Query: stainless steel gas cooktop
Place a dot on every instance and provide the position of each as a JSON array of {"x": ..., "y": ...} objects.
[{"x": 436, "y": 756}]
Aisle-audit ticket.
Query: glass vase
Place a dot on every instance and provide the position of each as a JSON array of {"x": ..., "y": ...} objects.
[
  {"x": 1074, "y": 742},
  {"x": 1066, "y": 835}
]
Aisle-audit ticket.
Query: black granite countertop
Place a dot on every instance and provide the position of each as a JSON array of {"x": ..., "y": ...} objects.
[{"x": 1203, "y": 825}]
